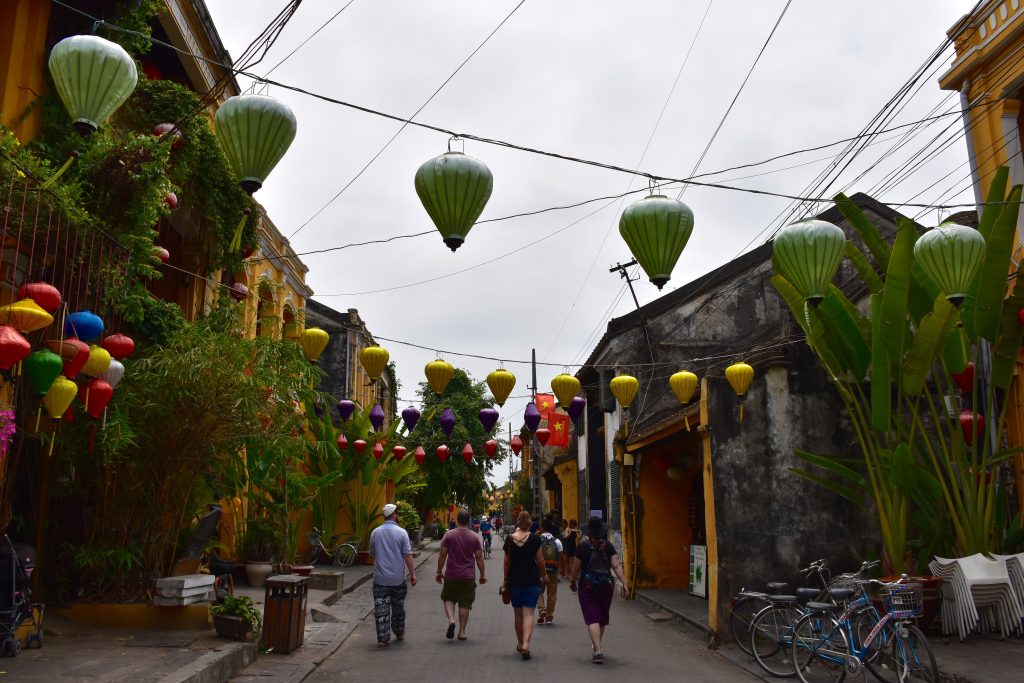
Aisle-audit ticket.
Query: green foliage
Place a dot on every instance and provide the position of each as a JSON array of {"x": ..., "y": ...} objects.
[
  {"x": 407, "y": 516},
  {"x": 240, "y": 606}
]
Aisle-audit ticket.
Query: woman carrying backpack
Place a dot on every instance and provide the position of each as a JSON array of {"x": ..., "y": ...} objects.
[{"x": 596, "y": 566}]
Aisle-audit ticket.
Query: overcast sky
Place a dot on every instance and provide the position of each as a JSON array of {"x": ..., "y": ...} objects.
[{"x": 586, "y": 79}]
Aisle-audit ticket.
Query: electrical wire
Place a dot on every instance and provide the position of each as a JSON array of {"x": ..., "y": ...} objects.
[{"x": 311, "y": 36}]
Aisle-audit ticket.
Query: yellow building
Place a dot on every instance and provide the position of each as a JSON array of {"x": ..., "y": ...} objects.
[{"x": 989, "y": 75}]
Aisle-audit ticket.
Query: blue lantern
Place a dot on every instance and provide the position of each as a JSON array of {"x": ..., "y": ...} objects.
[{"x": 85, "y": 325}]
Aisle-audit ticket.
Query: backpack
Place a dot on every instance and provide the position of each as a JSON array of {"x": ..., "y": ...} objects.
[
  {"x": 599, "y": 565},
  {"x": 550, "y": 552}
]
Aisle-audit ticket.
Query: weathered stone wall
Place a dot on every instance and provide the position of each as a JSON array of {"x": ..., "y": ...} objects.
[{"x": 334, "y": 358}]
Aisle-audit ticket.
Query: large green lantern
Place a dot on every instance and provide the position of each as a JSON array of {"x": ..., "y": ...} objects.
[
  {"x": 951, "y": 255},
  {"x": 454, "y": 189},
  {"x": 255, "y": 131},
  {"x": 808, "y": 255},
  {"x": 656, "y": 230},
  {"x": 93, "y": 77}
]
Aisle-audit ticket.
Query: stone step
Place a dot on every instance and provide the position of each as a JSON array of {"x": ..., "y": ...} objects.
[
  {"x": 327, "y": 580},
  {"x": 161, "y": 601},
  {"x": 182, "y": 592},
  {"x": 187, "y": 581}
]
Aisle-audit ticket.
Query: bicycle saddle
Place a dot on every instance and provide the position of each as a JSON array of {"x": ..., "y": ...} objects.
[
  {"x": 776, "y": 586},
  {"x": 822, "y": 606},
  {"x": 803, "y": 595},
  {"x": 782, "y": 598},
  {"x": 841, "y": 593}
]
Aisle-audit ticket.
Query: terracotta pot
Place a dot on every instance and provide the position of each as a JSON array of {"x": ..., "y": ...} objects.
[
  {"x": 234, "y": 628},
  {"x": 257, "y": 573}
]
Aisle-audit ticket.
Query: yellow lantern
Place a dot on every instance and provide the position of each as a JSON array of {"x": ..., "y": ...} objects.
[
  {"x": 624, "y": 387},
  {"x": 565, "y": 387},
  {"x": 99, "y": 361},
  {"x": 675, "y": 473},
  {"x": 501, "y": 382},
  {"x": 739, "y": 376},
  {"x": 374, "y": 359},
  {"x": 683, "y": 385},
  {"x": 25, "y": 316},
  {"x": 62, "y": 392},
  {"x": 439, "y": 372},
  {"x": 313, "y": 341}
]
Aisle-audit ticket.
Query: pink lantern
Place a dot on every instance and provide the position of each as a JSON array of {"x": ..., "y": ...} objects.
[
  {"x": 359, "y": 445},
  {"x": 399, "y": 452},
  {"x": 543, "y": 435},
  {"x": 342, "y": 442},
  {"x": 490, "y": 447},
  {"x": 467, "y": 453},
  {"x": 442, "y": 453}
]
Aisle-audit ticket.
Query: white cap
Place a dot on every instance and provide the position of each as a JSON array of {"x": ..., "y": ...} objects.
[{"x": 389, "y": 509}]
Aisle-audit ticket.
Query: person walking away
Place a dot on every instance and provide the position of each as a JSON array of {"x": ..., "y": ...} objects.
[
  {"x": 551, "y": 550},
  {"x": 485, "y": 532},
  {"x": 392, "y": 555},
  {"x": 569, "y": 541},
  {"x": 460, "y": 549},
  {"x": 524, "y": 576},
  {"x": 596, "y": 566}
]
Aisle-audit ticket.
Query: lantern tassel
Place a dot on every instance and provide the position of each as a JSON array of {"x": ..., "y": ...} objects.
[
  {"x": 741, "y": 411},
  {"x": 87, "y": 398},
  {"x": 236, "y": 239},
  {"x": 60, "y": 171},
  {"x": 52, "y": 439},
  {"x": 687, "y": 424},
  {"x": 39, "y": 416}
]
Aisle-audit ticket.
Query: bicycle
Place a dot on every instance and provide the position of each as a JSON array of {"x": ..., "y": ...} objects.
[
  {"x": 826, "y": 647},
  {"x": 342, "y": 555},
  {"x": 487, "y": 545}
]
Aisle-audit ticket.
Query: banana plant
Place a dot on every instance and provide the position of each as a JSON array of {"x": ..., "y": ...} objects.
[{"x": 921, "y": 471}]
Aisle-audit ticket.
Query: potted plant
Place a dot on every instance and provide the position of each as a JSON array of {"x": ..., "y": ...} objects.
[
  {"x": 259, "y": 547},
  {"x": 237, "y": 618},
  {"x": 410, "y": 521}
]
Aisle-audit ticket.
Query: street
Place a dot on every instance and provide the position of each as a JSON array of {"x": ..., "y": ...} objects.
[{"x": 635, "y": 648}]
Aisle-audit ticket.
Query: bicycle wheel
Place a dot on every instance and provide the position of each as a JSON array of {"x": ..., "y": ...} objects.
[
  {"x": 878, "y": 657},
  {"x": 771, "y": 635},
  {"x": 820, "y": 648},
  {"x": 345, "y": 555},
  {"x": 911, "y": 656},
  {"x": 862, "y": 624},
  {"x": 312, "y": 555},
  {"x": 741, "y": 616}
]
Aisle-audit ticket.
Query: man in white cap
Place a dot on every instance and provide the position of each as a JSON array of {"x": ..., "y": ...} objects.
[{"x": 392, "y": 554}]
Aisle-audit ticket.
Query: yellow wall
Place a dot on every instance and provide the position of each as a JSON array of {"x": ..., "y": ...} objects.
[
  {"x": 23, "y": 26},
  {"x": 566, "y": 473}
]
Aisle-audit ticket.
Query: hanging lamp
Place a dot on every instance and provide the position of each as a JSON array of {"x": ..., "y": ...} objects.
[
  {"x": 443, "y": 452},
  {"x": 467, "y": 453},
  {"x": 25, "y": 316},
  {"x": 313, "y": 341},
  {"x": 447, "y": 421},
  {"x": 85, "y": 325},
  {"x": 342, "y": 442},
  {"x": 454, "y": 189},
  {"x": 60, "y": 395},
  {"x": 93, "y": 78},
  {"x": 378, "y": 451},
  {"x": 490, "y": 448},
  {"x": 951, "y": 255},
  {"x": 73, "y": 352},
  {"x": 119, "y": 345},
  {"x": 46, "y": 295},
  {"x": 377, "y": 417},
  {"x": 531, "y": 416},
  {"x": 683, "y": 385},
  {"x": 656, "y": 230},
  {"x": 439, "y": 372},
  {"x": 254, "y": 131},
  {"x": 114, "y": 373},
  {"x": 14, "y": 348},
  {"x": 488, "y": 418},
  {"x": 374, "y": 359},
  {"x": 739, "y": 376},
  {"x": 345, "y": 408},
  {"x": 399, "y": 452},
  {"x": 359, "y": 445},
  {"x": 565, "y": 387},
  {"x": 808, "y": 254},
  {"x": 516, "y": 444},
  {"x": 501, "y": 382},
  {"x": 97, "y": 362},
  {"x": 420, "y": 455},
  {"x": 410, "y": 416},
  {"x": 624, "y": 388},
  {"x": 543, "y": 436}
]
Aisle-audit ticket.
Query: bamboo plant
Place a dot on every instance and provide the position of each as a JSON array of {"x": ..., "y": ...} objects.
[{"x": 924, "y": 474}]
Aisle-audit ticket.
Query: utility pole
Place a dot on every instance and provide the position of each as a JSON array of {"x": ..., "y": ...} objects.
[{"x": 534, "y": 451}]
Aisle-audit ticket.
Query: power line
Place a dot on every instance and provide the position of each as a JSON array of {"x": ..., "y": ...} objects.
[{"x": 311, "y": 36}]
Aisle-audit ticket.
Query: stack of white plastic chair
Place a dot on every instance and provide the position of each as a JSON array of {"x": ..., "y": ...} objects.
[
  {"x": 977, "y": 591},
  {"x": 1015, "y": 568}
]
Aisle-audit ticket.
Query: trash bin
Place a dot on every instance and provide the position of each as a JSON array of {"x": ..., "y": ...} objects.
[{"x": 284, "y": 612}]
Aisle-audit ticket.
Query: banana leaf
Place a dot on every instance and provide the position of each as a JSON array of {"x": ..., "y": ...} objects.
[
  {"x": 996, "y": 194},
  {"x": 897, "y": 291},
  {"x": 954, "y": 351},
  {"x": 1006, "y": 348},
  {"x": 859, "y": 222},
  {"x": 881, "y": 371},
  {"x": 991, "y": 289},
  {"x": 864, "y": 269},
  {"x": 844, "y": 329},
  {"x": 929, "y": 340},
  {"x": 815, "y": 333}
]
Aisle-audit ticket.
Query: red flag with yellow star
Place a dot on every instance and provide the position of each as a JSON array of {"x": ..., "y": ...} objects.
[
  {"x": 558, "y": 425},
  {"x": 546, "y": 405}
]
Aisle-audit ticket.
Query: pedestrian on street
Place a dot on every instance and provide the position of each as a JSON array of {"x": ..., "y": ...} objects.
[
  {"x": 551, "y": 550},
  {"x": 392, "y": 555},
  {"x": 596, "y": 566},
  {"x": 524, "y": 577},
  {"x": 460, "y": 549},
  {"x": 570, "y": 539}
]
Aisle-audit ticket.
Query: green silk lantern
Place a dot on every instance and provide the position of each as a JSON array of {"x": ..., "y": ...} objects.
[
  {"x": 454, "y": 189},
  {"x": 951, "y": 255},
  {"x": 255, "y": 131},
  {"x": 808, "y": 255},
  {"x": 656, "y": 229},
  {"x": 42, "y": 368},
  {"x": 93, "y": 78}
]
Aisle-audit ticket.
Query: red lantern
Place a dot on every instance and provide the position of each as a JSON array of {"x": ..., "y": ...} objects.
[
  {"x": 14, "y": 348},
  {"x": 967, "y": 421},
  {"x": 467, "y": 453},
  {"x": 399, "y": 452},
  {"x": 119, "y": 346},
  {"x": 74, "y": 352},
  {"x": 419, "y": 454},
  {"x": 517, "y": 444},
  {"x": 238, "y": 291},
  {"x": 342, "y": 442},
  {"x": 965, "y": 378},
  {"x": 442, "y": 453},
  {"x": 248, "y": 252},
  {"x": 490, "y": 447},
  {"x": 663, "y": 462},
  {"x": 164, "y": 128},
  {"x": 543, "y": 435},
  {"x": 46, "y": 295},
  {"x": 171, "y": 200},
  {"x": 162, "y": 254},
  {"x": 378, "y": 450},
  {"x": 96, "y": 395},
  {"x": 359, "y": 445}
]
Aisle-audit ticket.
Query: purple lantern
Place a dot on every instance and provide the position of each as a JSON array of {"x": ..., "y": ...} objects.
[
  {"x": 575, "y": 409},
  {"x": 488, "y": 418},
  {"x": 345, "y": 409},
  {"x": 447, "y": 421},
  {"x": 377, "y": 417},
  {"x": 531, "y": 417},
  {"x": 410, "y": 416}
]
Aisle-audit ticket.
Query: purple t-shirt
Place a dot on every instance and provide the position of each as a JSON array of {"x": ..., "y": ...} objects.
[{"x": 462, "y": 545}]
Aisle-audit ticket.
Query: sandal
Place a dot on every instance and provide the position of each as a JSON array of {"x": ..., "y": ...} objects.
[
  {"x": 381, "y": 646},
  {"x": 450, "y": 633},
  {"x": 543, "y": 615},
  {"x": 525, "y": 654},
  {"x": 598, "y": 658}
]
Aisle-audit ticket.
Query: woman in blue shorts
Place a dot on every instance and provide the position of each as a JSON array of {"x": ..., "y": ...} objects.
[{"x": 524, "y": 576}]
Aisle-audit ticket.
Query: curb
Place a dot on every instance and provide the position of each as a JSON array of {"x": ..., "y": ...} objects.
[{"x": 216, "y": 666}]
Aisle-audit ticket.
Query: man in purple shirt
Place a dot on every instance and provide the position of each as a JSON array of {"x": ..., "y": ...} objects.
[
  {"x": 460, "y": 550},
  {"x": 392, "y": 555}
]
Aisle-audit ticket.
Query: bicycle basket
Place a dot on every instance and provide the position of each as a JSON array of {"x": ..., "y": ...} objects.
[{"x": 904, "y": 597}]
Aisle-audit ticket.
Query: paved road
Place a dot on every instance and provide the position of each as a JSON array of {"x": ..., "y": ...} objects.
[{"x": 635, "y": 648}]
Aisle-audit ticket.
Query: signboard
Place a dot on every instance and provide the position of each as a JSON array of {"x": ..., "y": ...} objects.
[
  {"x": 699, "y": 570},
  {"x": 597, "y": 513}
]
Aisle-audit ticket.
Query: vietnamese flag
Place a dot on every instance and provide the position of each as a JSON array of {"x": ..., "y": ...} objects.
[
  {"x": 558, "y": 425},
  {"x": 546, "y": 405}
]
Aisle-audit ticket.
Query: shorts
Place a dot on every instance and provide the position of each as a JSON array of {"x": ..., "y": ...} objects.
[
  {"x": 460, "y": 591},
  {"x": 524, "y": 596}
]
